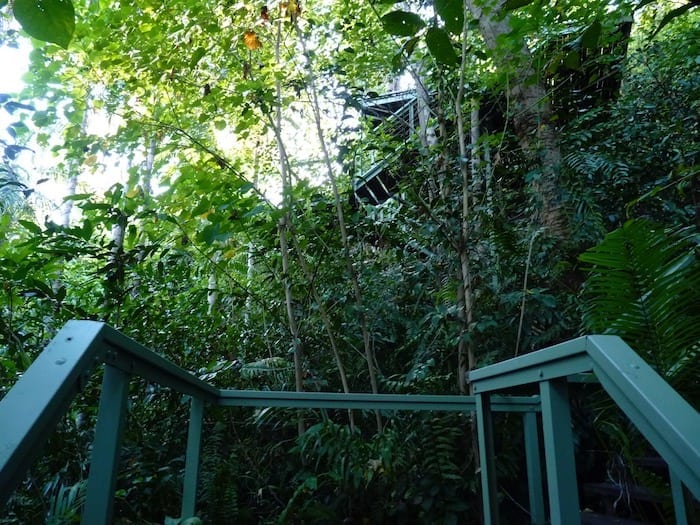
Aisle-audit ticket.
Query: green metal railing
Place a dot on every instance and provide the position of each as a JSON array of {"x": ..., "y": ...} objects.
[
  {"x": 665, "y": 419},
  {"x": 35, "y": 404}
]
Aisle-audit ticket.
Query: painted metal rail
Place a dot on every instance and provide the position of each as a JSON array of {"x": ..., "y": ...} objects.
[
  {"x": 32, "y": 408},
  {"x": 663, "y": 417}
]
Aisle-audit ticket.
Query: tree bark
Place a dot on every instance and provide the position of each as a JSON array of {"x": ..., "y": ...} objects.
[
  {"x": 284, "y": 223},
  {"x": 532, "y": 116}
]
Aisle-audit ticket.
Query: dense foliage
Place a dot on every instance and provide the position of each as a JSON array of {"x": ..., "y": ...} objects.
[{"x": 209, "y": 151}]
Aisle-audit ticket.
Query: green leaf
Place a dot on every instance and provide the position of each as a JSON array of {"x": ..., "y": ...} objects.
[
  {"x": 642, "y": 286},
  {"x": 515, "y": 4},
  {"x": 410, "y": 46},
  {"x": 402, "y": 23},
  {"x": 48, "y": 20},
  {"x": 440, "y": 47},
  {"x": 213, "y": 233},
  {"x": 591, "y": 36},
  {"x": 452, "y": 13},
  {"x": 197, "y": 56},
  {"x": 30, "y": 226},
  {"x": 77, "y": 197},
  {"x": 673, "y": 14},
  {"x": 572, "y": 60}
]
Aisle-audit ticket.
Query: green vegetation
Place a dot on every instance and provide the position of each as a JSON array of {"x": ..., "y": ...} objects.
[{"x": 551, "y": 189}]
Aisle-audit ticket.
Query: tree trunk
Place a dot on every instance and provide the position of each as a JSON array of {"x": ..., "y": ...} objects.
[
  {"x": 284, "y": 223},
  {"x": 532, "y": 114},
  {"x": 326, "y": 320},
  {"x": 359, "y": 302},
  {"x": 291, "y": 316},
  {"x": 466, "y": 359}
]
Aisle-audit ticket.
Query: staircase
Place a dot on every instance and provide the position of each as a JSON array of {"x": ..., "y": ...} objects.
[
  {"x": 662, "y": 416},
  {"x": 394, "y": 115},
  {"x": 42, "y": 396}
]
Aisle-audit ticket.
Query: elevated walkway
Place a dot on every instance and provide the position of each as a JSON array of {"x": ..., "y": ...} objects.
[
  {"x": 394, "y": 115},
  {"x": 32, "y": 408}
]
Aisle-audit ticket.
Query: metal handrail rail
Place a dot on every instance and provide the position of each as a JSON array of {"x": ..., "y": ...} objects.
[
  {"x": 664, "y": 418},
  {"x": 38, "y": 400},
  {"x": 43, "y": 394}
]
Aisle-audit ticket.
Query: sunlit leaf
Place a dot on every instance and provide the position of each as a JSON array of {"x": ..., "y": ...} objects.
[
  {"x": 48, "y": 20},
  {"x": 402, "y": 23},
  {"x": 440, "y": 47},
  {"x": 251, "y": 40},
  {"x": 197, "y": 56},
  {"x": 133, "y": 192},
  {"x": 30, "y": 226}
]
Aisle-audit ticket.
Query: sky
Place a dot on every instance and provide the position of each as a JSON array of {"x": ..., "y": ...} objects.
[{"x": 13, "y": 65}]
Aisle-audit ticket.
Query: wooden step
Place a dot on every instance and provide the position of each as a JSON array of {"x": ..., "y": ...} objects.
[
  {"x": 612, "y": 490},
  {"x": 593, "y": 518}
]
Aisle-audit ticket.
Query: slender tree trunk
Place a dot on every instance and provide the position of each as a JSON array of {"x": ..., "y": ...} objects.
[
  {"x": 291, "y": 315},
  {"x": 68, "y": 204},
  {"x": 357, "y": 291},
  {"x": 466, "y": 360},
  {"x": 284, "y": 223},
  {"x": 212, "y": 290},
  {"x": 325, "y": 319},
  {"x": 115, "y": 276},
  {"x": 146, "y": 178}
]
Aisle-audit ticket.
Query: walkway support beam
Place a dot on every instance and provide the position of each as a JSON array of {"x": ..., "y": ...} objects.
[{"x": 106, "y": 449}]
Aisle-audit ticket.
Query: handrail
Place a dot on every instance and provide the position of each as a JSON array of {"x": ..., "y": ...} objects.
[
  {"x": 38, "y": 400},
  {"x": 663, "y": 417},
  {"x": 361, "y": 401}
]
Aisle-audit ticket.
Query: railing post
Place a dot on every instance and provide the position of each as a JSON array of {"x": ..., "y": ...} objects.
[
  {"x": 194, "y": 440},
  {"x": 679, "y": 502},
  {"x": 487, "y": 453},
  {"x": 559, "y": 453},
  {"x": 104, "y": 460},
  {"x": 534, "y": 472}
]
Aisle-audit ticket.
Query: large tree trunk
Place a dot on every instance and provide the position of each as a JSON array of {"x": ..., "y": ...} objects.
[{"x": 531, "y": 115}]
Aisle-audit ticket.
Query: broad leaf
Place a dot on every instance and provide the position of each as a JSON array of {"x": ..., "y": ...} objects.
[
  {"x": 452, "y": 13},
  {"x": 402, "y": 23},
  {"x": 440, "y": 47},
  {"x": 675, "y": 13},
  {"x": 48, "y": 20},
  {"x": 591, "y": 36},
  {"x": 515, "y": 4}
]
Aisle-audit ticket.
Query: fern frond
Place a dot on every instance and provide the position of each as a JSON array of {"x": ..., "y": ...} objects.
[{"x": 643, "y": 287}]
